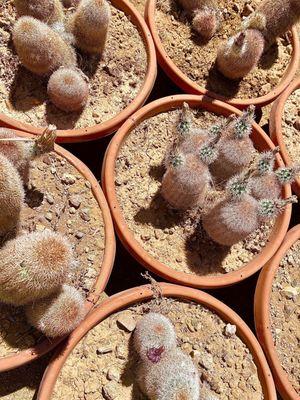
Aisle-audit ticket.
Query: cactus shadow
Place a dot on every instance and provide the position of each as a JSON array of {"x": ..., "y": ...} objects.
[
  {"x": 59, "y": 118},
  {"x": 88, "y": 64},
  {"x": 34, "y": 198},
  {"x": 269, "y": 57},
  {"x": 218, "y": 83}
]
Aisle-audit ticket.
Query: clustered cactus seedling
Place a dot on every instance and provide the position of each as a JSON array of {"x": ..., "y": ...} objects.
[
  {"x": 165, "y": 372},
  {"x": 242, "y": 52},
  {"x": 48, "y": 11},
  {"x": 225, "y": 154},
  {"x": 34, "y": 267}
]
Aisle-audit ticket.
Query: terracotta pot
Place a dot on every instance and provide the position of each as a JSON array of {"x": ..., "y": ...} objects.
[
  {"x": 142, "y": 293},
  {"x": 262, "y": 142},
  {"x": 110, "y": 126},
  {"x": 275, "y": 124},
  {"x": 189, "y": 86},
  {"x": 262, "y": 315},
  {"x": 28, "y": 355}
]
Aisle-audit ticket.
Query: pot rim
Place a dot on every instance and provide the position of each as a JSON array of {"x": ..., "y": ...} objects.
[
  {"x": 186, "y": 84},
  {"x": 141, "y": 293},
  {"x": 25, "y": 356},
  {"x": 125, "y": 234},
  {"x": 107, "y": 127},
  {"x": 262, "y": 315},
  {"x": 276, "y": 131}
]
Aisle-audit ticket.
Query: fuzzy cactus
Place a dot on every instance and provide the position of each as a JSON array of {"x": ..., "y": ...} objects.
[
  {"x": 34, "y": 266},
  {"x": 40, "y": 49},
  {"x": 235, "y": 147},
  {"x": 271, "y": 208},
  {"x": 11, "y": 197},
  {"x": 174, "y": 377},
  {"x": 240, "y": 54},
  {"x": 154, "y": 337},
  {"x": 48, "y": 11},
  {"x": 58, "y": 314},
  {"x": 273, "y": 18},
  {"x": 89, "y": 25},
  {"x": 184, "y": 125},
  {"x": 68, "y": 89},
  {"x": 20, "y": 151},
  {"x": 185, "y": 181}
]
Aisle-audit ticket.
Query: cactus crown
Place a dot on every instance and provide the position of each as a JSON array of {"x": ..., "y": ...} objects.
[
  {"x": 215, "y": 130},
  {"x": 208, "y": 153},
  {"x": 184, "y": 124},
  {"x": 269, "y": 208},
  {"x": 287, "y": 175},
  {"x": 243, "y": 124},
  {"x": 238, "y": 186},
  {"x": 177, "y": 160},
  {"x": 266, "y": 161}
]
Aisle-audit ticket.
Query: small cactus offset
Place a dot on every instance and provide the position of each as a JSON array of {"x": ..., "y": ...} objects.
[
  {"x": 48, "y": 11},
  {"x": 154, "y": 337},
  {"x": 34, "y": 266},
  {"x": 58, "y": 314},
  {"x": 68, "y": 89},
  {"x": 271, "y": 208},
  {"x": 287, "y": 175},
  {"x": 240, "y": 54},
  {"x": 185, "y": 121},
  {"x": 40, "y": 49},
  {"x": 11, "y": 197},
  {"x": 89, "y": 25}
]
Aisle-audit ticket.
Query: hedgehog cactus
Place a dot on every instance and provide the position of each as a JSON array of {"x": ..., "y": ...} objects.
[
  {"x": 240, "y": 54},
  {"x": 34, "y": 266},
  {"x": 58, "y": 314},
  {"x": 185, "y": 182},
  {"x": 40, "y": 49},
  {"x": 273, "y": 18},
  {"x": 89, "y": 25},
  {"x": 11, "y": 197},
  {"x": 68, "y": 89},
  {"x": 48, "y": 11},
  {"x": 271, "y": 208},
  {"x": 185, "y": 121},
  {"x": 154, "y": 337}
]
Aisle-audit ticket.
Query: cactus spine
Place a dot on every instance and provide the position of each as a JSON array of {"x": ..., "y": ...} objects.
[{"x": 48, "y": 11}]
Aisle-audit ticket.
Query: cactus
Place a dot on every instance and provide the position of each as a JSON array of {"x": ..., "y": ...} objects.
[
  {"x": 58, "y": 314},
  {"x": 174, "y": 377},
  {"x": 40, "y": 49},
  {"x": 89, "y": 25},
  {"x": 48, "y": 11},
  {"x": 20, "y": 151},
  {"x": 154, "y": 337},
  {"x": 235, "y": 147},
  {"x": 206, "y": 22},
  {"x": 271, "y": 208},
  {"x": 240, "y": 54},
  {"x": 185, "y": 182},
  {"x": 184, "y": 125},
  {"x": 11, "y": 197},
  {"x": 273, "y": 18},
  {"x": 68, "y": 89},
  {"x": 34, "y": 266}
]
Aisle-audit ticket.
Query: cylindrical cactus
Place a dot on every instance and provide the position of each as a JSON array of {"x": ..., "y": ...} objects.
[
  {"x": 48, "y": 11},
  {"x": 68, "y": 89},
  {"x": 273, "y": 18},
  {"x": 271, "y": 208},
  {"x": 154, "y": 337},
  {"x": 58, "y": 314},
  {"x": 11, "y": 197},
  {"x": 185, "y": 182},
  {"x": 40, "y": 49},
  {"x": 89, "y": 25},
  {"x": 174, "y": 377},
  {"x": 34, "y": 266},
  {"x": 240, "y": 54}
]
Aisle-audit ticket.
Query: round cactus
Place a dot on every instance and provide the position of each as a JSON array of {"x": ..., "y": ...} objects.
[
  {"x": 154, "y": 337},
  {"x": 48, "y": 11},
  {"x": 89, "y": 25},
  {"x": 58, "y": 314},
  {"x": 34, "y": 266},
  {"x": 240, "y": 54},
  {"x": 40, "y": 49},
  {"x": 174, "y": 377},
  {"x": 206, "y": 22},
  {"x": 68, "y": 89},
  {"x": 11, "y": 197}
]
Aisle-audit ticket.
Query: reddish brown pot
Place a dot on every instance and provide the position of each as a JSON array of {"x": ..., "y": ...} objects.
[
  {"x": 142, "y": 293},
  {"x": 28, "y": 355},
  {"x": 262, "y": 315},
  {"x": 110, "y": 126},
  {"x": 275, "y": 124},
  {"x": 262, "y": 142},
  {"x": 188, "y": 86}
]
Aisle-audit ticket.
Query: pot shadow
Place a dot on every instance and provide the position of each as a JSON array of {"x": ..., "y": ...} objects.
[
  {"x": 218, "y": 83},
  {"x": 34, "y": 198}
]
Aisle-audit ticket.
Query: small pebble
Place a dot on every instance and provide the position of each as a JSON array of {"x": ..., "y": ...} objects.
[
  {"x": 127, "y": 322},
  {"x": 230, "y": 330},
  {"x": 79, "y": 235},
  {"x": 68, "y": 179},
  {"x": 75, "y": 201}
]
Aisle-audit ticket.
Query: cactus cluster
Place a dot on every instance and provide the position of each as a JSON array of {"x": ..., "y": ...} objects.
[
  {"x": 43, "y": 38},
  {"x": 242, "y": 52},
  {"x": 165, "y": 372},
  {"x": 34, "y": 267},
  {"x": 222, "y": 163}
]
